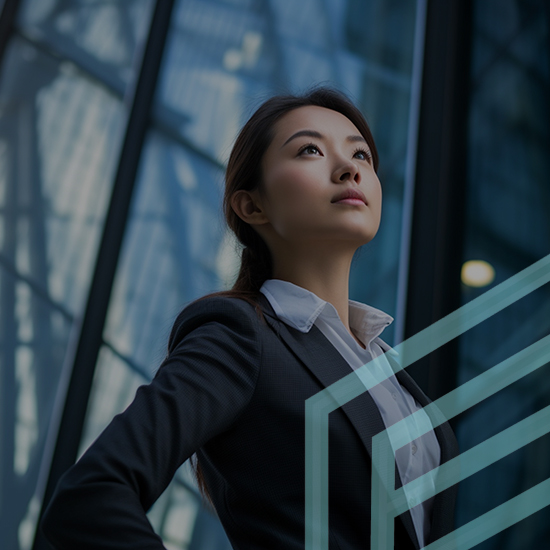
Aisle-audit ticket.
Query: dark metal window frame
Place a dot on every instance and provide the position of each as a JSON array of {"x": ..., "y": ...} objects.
[{"x": 440, "y": 187}]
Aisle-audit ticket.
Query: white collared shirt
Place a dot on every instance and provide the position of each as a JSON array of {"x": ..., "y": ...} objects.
[{"x": 301, "y": 309}]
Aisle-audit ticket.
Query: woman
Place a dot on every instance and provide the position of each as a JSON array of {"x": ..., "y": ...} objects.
[{"x": 302, "y": 195}]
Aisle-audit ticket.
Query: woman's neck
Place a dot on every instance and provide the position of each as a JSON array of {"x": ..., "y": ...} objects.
[{"x": 327, "y": 277}]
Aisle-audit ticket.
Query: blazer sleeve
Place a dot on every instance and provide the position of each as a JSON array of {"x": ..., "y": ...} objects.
[{"x": 200, "y": 389}]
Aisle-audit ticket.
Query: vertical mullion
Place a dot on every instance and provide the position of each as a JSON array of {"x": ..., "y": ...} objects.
[
  {"x": 89, "y": 338},
  {"x": 440, "y": 187}
]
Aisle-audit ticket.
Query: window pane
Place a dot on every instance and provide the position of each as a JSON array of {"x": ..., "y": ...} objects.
[
  {"x": 59, "y": 136},
  {"x": 33, "y": 338},
  {"x": 104, "y": 37},
  {"x": 171, "y": 251},
  {"x": 507, "y": 225},
  {"x": 178, "y": 516}
]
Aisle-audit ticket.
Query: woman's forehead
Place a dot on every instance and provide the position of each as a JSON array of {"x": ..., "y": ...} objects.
[{"x": 312, "y": 117}]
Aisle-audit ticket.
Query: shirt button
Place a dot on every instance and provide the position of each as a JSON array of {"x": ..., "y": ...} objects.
[
  {"x": 394, "y": 395},
  {"x": 413, "y": 448}
]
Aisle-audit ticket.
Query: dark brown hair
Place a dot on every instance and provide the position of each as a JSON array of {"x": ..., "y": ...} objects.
[{"x": 244, "y": 173}]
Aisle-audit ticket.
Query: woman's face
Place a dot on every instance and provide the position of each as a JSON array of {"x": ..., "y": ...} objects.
[{"x": 319, "y": 185}]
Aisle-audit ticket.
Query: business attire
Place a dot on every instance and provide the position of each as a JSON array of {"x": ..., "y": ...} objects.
[
  {"x": 301, "y": 309},
  {"x": 232, "y": 388}
]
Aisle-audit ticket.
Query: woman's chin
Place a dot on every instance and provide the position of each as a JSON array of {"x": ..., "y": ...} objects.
[
  {"x": 359, "y": 237},
  {"x": 347, "y": 242}
]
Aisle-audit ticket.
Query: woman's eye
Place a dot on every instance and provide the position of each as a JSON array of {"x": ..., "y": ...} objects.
[
  {"x": 363, "y": 154},
  {"x": 310, "y": 150}
]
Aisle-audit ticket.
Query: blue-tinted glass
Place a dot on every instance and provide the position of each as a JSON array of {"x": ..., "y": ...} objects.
[
  {"x": 104, "y": 37},
  {"x": 59, "y": 136},
  {"x": 115, "y": 384},
  {"x": 508, "y": 198},
  {"x": 33, "y": 338},
  {"x": 171, "y": 252}
]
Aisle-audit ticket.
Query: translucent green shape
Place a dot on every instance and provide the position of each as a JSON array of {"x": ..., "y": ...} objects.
[{"x": 386, "y": 507}]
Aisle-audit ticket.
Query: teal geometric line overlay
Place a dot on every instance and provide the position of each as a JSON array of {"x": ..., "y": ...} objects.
[{"x": 388, "y": 502}]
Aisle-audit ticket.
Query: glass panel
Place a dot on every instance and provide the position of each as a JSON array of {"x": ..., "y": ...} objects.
[
  {"x": 170, "y": 255},
  {"x": 104, "y": 37},
  {"x": 114, "y": 387},
  {"x": 59, "y": 136},
  {"x": 508, "y": 226},
  {"x": 34, "y": 333}
]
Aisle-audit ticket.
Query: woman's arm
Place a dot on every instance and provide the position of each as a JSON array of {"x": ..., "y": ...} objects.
[{"x": 200, "y": 389}]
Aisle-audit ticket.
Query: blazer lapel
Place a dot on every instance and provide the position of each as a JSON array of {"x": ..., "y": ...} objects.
[{"x": 325, "y": 362}]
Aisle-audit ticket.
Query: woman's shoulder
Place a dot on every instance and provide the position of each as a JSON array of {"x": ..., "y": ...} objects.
[
  {"x": 223, "y": 311},
  {"x": 220, "y": 305}
]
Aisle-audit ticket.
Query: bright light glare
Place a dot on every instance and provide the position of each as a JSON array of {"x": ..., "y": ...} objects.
[{"x": 477, "y": 273}]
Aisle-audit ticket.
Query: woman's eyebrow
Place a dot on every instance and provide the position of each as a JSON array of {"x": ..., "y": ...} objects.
[
  {"x": 317, "y": 135},
  {"x": 355, "y": 138},
  {"x": 309, "y": 133}
]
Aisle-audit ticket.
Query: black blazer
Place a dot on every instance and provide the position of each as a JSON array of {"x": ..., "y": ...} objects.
[{"x": 232, "y": 388}]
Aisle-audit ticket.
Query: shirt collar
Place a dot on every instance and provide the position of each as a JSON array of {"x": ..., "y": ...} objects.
[{"x": 300, "y": 308}]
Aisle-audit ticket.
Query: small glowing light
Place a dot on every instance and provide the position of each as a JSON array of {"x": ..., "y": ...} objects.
[{"x": 477, "y": 273}]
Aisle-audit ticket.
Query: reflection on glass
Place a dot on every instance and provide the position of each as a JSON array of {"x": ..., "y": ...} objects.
[
  {"x": 174, "y": 516},
  {"x": 169, "y": 256},
  {"x": 175, "y": 235},
  {"x": 177, "y": 516},
  {"x": 115, "y": 385},
  {"x": 508, "y": 201},
  {"x": 106, "y": 35},
  {"x": 59, "y": 135}
]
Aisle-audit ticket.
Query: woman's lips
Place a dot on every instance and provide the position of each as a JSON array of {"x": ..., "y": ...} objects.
[
  {"x": 352, "y": 201},
  {"x": 350, "y": 196}
]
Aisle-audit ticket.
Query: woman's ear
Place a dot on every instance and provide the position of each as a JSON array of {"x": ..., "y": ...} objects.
[{"x": 247, "y": 206}]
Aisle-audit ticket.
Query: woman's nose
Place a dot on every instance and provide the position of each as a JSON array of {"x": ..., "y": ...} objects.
[{"x": 346, "y": 171}]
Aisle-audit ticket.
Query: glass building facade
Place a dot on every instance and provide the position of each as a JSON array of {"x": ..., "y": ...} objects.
[
  {"x": 507, "y": 224},
  {"x": 116, "y": 121}
]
